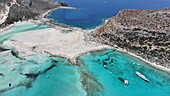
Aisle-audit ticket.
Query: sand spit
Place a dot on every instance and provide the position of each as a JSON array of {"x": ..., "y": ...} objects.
[
  {"x": 65, "y": 42},
  {"x": 68, "y": 42}
]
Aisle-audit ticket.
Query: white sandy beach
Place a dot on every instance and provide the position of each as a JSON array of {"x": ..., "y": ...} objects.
[
  {"x": 61, "y": 42},
  {"x": 65, "y": 42},
  {"x": 57, "y": 42},
  {"x": 68, "y": 42}
]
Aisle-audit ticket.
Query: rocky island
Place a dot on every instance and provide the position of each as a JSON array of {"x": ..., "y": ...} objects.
[{"x": 142, "y": 32}]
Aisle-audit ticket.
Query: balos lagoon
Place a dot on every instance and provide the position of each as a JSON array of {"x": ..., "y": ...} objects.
[{"x": 77, "y": 48}]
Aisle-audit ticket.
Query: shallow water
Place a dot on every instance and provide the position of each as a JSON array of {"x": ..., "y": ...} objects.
[
  {"x": 92, "y": 13},
  {"x": 91, "y": 77},
  {"x": 125, "y": 66},
  {"x": 61, "y": 80},
  {"x": 65, "y": 79},
  {"x": 20, "y": 27}
]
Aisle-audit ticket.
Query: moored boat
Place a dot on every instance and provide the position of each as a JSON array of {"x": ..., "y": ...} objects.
[
  {"x": 123, "y": 80},
  {"x": 142, "y": 76}
]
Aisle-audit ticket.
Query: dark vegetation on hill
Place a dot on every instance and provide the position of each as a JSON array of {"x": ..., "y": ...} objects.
[
  {"x": 143, "y": 32},
  {"x": 27, "y": 9}
]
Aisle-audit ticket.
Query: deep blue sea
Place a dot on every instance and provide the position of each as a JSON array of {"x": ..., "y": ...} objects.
[{"x": 92, "y": 13}]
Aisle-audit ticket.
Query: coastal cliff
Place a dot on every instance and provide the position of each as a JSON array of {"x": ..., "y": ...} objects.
[
  {"x": 15, "y": 10},
  {"x": 143, "y": 32}
]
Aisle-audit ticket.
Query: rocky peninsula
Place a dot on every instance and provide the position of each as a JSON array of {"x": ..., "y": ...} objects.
[
  {"x": 145, "y": 33},
  {"x": 21, "y": 10}
]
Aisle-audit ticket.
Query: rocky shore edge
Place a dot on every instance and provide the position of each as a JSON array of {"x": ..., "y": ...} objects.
[
  {"x": 105, "y": 45},
  {"x": 22, "y": 10},
  {"x": 145, "y": 33},
  {"x": 92, "y": 36}
]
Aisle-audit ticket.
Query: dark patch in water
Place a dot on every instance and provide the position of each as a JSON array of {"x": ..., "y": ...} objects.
[
  {"x": 3, "y": 49},
  {"x": 9, "y": 84},
  {"x": 121, "y": 79},
  {"x": 15, "y": 54},
  {"x": 1, "y": 74},
  {"x": 52, "y": 66},
  {"x": 91, "y": 85},
  {"x": 10, "y": 87},
  {"x": 31, "y": 75},
  {"x": 159, "y": 83},
  {"x": 54, "y": 61}
]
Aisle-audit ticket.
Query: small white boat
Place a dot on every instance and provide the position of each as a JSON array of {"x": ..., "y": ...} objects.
[
  {"x": 104, "y": 66},
  {"x": 142, "y": 76},
  {"x": 124, "y": 81}
]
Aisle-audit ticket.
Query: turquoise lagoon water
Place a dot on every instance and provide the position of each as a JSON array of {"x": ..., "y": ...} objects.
[
  {"x": 63, "y": 80},
  {"x": 92, "y": 13},
  {"x": 124, "y": 66},
  {"x": 20, "y": 27}
]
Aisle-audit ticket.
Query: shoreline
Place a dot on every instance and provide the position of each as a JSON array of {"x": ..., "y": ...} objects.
[
  {"x": 50, "y": 22},
  {"x": 73, "y": 57},
  {"x": 41, "y": 17},
  {"x": 125, "y": 52},
  {"x": 98, "y": 48},
  {"x": 152, "y": 64},
  {"x": 7, "y": 27}
]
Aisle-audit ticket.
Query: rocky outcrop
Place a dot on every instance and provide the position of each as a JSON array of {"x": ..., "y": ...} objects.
[
  {"x": 4, "y": 10},
  {"x": 143, "y": 32},
  {"x": 25, "y": 9}
]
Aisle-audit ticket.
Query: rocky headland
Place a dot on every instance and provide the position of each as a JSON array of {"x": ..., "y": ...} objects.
[
  {"x": 20, "y": 10},
  {"x": 145, "y": 33}
]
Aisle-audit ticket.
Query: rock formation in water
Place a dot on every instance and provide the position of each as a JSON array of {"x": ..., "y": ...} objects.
[
  {"x": 143, "y": 32},
  {"x": 15, "y": 10}
]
